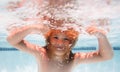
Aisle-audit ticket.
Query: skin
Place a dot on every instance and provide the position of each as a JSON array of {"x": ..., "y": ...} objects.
[{"x": 56, "y": 54}]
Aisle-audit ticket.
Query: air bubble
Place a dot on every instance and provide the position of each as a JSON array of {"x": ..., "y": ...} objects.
[{"x": 73, "y": 14}]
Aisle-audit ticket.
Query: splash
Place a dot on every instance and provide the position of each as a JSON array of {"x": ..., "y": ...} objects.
[{"x": 76, "y": 14}]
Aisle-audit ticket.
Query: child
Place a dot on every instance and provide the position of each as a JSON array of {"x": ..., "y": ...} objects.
[{"x": 57, "y": 56}]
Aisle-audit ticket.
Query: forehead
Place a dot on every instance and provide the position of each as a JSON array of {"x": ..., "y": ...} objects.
[
  {"x": 58, "y": 33},
  {"x": 67, "y": 33}
]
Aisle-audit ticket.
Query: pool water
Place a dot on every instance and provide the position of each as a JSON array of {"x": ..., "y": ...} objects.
[
  {"x": 17, "y": 61},
  {"x": 12, "y": 60}
]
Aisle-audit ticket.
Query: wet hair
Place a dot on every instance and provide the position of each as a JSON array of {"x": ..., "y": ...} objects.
[{"x": 71, "y": 56}]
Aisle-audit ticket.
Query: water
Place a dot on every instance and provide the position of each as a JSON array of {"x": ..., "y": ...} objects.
[
  {"x": 76, "y": 14},
  {"x": 17, "y": 61}
]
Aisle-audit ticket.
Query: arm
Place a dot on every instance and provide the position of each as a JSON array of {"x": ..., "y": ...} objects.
[
  {"x": 16, "y": 38},
  {"x": 105, "y": 51}
]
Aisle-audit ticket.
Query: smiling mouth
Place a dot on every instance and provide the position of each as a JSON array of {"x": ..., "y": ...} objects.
[{"x": 60, "y": 48}]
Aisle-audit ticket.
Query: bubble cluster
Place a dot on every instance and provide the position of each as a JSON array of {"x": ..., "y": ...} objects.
[{"x": 75, "y": 14}]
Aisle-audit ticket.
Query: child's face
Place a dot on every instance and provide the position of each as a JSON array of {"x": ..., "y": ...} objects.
[{"x": 60, "y": 43}]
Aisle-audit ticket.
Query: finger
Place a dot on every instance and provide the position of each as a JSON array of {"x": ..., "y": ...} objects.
[
  {"x": 92, "y": 32},
  {"x": 91, "y": 29}
]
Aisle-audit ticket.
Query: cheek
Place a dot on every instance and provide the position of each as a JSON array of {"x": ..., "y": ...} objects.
[
  {"x": 67, "y": 44},
  {"x": 52, "y": 41}
]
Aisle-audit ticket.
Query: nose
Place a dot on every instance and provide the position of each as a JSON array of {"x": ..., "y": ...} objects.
[{"x": 59, "y": 43}]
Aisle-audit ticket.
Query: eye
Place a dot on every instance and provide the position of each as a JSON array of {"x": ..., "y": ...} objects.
[
  {"x": 55, "y": 37},
  {"x": 66, "y": 39}
]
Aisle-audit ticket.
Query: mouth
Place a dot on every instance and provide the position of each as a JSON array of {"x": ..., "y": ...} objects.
[{"x": 60, "y": 48}]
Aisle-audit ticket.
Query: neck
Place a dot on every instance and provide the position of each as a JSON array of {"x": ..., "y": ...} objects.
[{"x": 58, "y": 58}]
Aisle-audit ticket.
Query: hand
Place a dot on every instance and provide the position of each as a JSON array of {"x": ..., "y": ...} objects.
[
  {"x": 39, "y": 28},
  {"x": 13, "y": 5},
  {"x": 92, "y": 30}
]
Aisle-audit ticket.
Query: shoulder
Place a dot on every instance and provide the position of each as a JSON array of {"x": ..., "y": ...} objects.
[
  {"x": 84, "y": 55},
  {"x": 79, "y": 55}
]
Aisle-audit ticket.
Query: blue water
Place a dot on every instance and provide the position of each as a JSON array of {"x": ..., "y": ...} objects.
[
  {"x": 17, "y": 61},
  {"x": 12, "y": 60}
]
